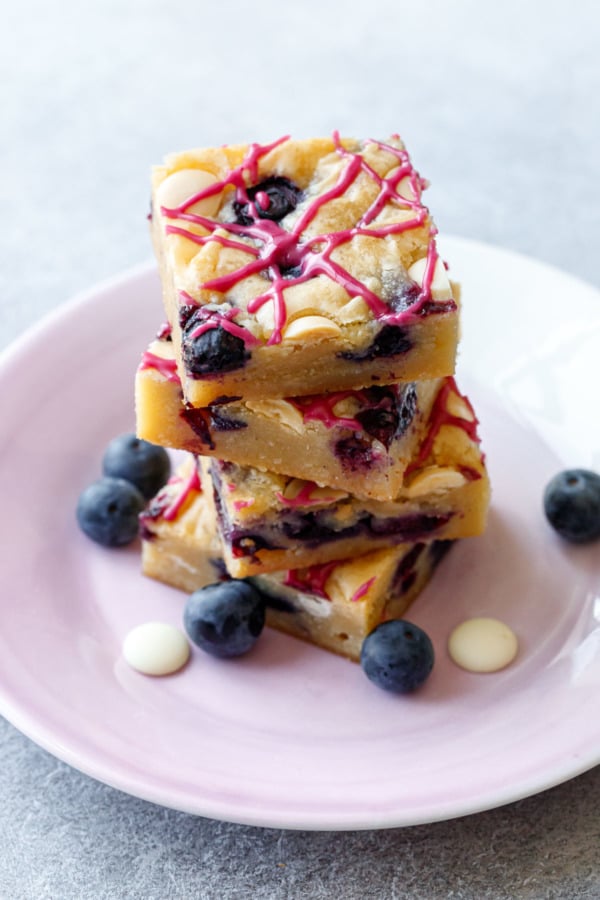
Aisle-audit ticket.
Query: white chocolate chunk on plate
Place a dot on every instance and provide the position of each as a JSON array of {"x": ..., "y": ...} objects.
[
  {"x": 482, "y": 644},
  {"x": 156, "y": 648}
]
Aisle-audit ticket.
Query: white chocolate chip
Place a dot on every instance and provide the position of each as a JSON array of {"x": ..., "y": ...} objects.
[
  {"x": 433, "y": 479},
  {"x": 183, "y": 184},
  {"x": 440, "y": 284},
  {"x": 266, "y": 318},
  {"x": 404, "y": 187},
  {"x": 311, "y": 328},
  {"x": 316, "y": 494},
  {"x": 373, "y": 284},
  {"x": 355, "y": 310},
  {"x": 327, "y": 494},
  {"x": 156, "y": 648},
  {"x": 279, "y": 410},
  {"x": 292, "y": 489},
  {"x": 457, "y": 407},
  {"x": 346, "y": 408},
  {"x": 482, "y": 645}
]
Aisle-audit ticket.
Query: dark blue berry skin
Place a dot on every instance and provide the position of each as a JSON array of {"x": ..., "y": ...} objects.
[
  {"x": 391, "y": 340},
  {"x": 225, "y": 619},
  {"x": 215, "y": 350},
  {"x": 572, "y": 505},
  {"x": 397, "y": 656},
  {"x": 283, "y": 195},
  {"x": 108, "y": 510},
  {"x": 145, "y": 465}
]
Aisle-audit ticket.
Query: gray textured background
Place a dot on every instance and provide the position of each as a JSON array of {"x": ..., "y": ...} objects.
[{"x": 499, "y": 106}]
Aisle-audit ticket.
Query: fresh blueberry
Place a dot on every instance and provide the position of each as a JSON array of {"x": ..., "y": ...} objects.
[
  {"x": 572, "y": 505},
  {"x": 107, "y": 511},
  {"x": 225, "y": 619},
  {"x": 397, "y": 656},
  {"x": 145, "y": 465},
  {"x": 277, "y": 196},
  {"x": 214, "y": 350}
]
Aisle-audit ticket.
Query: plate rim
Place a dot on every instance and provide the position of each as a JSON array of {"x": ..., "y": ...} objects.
[{"x": 25, "y": 722}]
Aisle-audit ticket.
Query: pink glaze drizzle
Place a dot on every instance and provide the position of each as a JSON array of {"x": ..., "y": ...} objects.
[
  {"x": 191, "y": 484},
  {"x": 242, "y": 504},
  {"x": 439, "y": 417},
  {"x": 319, "y": 408},
  {"x": 304, "y": 496},
  {"x": 311, "y": 580},
  {"x": 166, "y": 367},
  {"x": 212, "y": 318},
  {"x": 360, "y": 592},
  {"x": 164, "y": 332},
  {"x": 277, "y": 247}
]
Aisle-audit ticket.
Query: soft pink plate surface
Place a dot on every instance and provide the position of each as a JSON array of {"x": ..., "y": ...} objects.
[{"x": 291, "y": 736}]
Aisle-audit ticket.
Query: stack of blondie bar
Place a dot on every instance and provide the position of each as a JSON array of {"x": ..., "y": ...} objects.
[{"x": 306, "y": 366}]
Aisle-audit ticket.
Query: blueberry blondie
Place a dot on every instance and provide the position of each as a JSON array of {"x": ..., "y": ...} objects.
[
  {"x": 300, "y": 267},
  {"x": 334, "y": 605},
  {"x": 360, "y": 441},
  {"x": 269, "y": 521}
]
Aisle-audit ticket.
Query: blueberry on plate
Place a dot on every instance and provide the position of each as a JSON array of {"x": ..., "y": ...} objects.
[
  {"x": 397, "y": 656},
  {"x": 107, "y": 511},
  {"x": 572, "y": 505},
  {"x": 225, "y": 619},
  {"x": 145, "y": 465}
]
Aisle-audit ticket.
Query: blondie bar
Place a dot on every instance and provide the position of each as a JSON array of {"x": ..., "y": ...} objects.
[
  {"x": 269, "y": 521},
  {"x": 334, "y": 606},
  {"x": 360, "y": 441},
  {"x": 300, "y": 267}
]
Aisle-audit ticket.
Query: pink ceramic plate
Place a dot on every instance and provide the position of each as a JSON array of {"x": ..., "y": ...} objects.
[{"x": 290, "y": 736}]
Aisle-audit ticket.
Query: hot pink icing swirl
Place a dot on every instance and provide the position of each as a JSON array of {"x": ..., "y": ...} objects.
[
  {"x": 214, "y": 318},
  {"x": 164, "y": 332},
  {"x": 270, "y": 245},
  {"x": 243, "y": 504},
  {"x": 167, "y": 505},
  {"x": 439, "y": 416},
  {"x": 361, "y": 591},
  {"x": 311, "y": 580},
  {"x": 320, "y": 408},
  {"x": 166, "y": 367}
]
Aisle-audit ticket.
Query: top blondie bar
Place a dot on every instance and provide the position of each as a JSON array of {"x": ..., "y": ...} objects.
[{"x": 299, "y": 267}]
